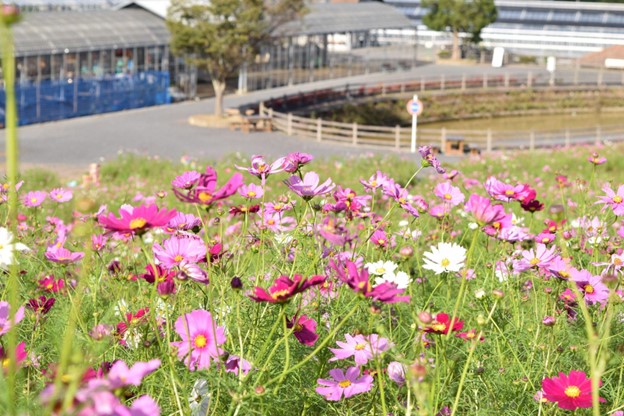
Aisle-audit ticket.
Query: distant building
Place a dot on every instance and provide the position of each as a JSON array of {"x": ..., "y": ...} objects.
[{"x": 536, "y": 27}]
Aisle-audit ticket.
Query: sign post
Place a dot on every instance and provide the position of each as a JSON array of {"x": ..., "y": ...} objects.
[{"x": 415, "y": 108}]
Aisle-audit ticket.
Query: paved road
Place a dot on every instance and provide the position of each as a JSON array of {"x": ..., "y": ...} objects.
[{"x": 163, "y": 131}]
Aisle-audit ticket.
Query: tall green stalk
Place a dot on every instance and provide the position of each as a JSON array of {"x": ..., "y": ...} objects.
[{"x": 8, "y": 70}]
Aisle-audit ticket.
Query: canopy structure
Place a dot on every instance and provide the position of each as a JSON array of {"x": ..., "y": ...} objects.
[
  {"x": 328, "y": 18},
  {"x": 62, "y": 32}
]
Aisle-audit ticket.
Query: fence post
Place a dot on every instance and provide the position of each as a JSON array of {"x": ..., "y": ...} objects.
[
  {"x": 532, "y": 141},
  {"x": 422, "y": 83},
  {"x": 319, "y": 129},
  {"x": 529, "y": 79},
  {"x": 443, "y": 139},
  {"x": 442, "y": 79},
  {"x": 485, "y": 80},
  {"x": 598, "y": 135},
  {"x": 506, "y": 79},
  {"x": 289, "y": 124},
  {"x": 567, "y": 138},
  {"x": 38, "y": 98},
  {"x": 402, "y": 87},
  {"x": 261, "y": 108},
  {"x": 397, "y": 137},
  {"x": 355, "y": 132},
  {"x": 463, "y": 84},
  {"x": 383, "y": 89},
  {"x": 622, "y": 78},
  {"x": 75, "y": 94},
  {"x": 488, "y": 141},
  {"x": 600, "y": 75}
]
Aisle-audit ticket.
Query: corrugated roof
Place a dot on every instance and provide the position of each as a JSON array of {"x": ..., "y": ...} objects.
[
  {"x": 346, "y": 17},
  {"x": 53, "y": 32}
]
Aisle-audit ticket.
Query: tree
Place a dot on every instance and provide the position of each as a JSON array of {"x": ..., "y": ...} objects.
[
  {"x": 468, "y": 16},
  {"x": 220, "y": 36}
]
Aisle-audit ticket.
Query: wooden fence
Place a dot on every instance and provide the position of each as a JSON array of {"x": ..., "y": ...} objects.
[{"x": 445, "y": 140}]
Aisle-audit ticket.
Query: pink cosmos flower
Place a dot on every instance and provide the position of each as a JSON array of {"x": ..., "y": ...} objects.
[
  {"x": 309, "y": 187},
  {"x": 62, "y": 255},
  {"x": 612, "y": 199},
  {"x": 400, "y": 195},
  {"x": 344, "y": 384},
  {"x": 261, "y": 169},
  {"x": 201, "y": 338},
  {"x": 176, "y": 249},
  {"x": 61, "y": 195},
  {"x": 285, "y": 288},
  {"x": 251, "y": 191},
  {"x": 278, "y": 223},
  {"x": 595, "y": 159},
  {"x": 5, "y": 322},
  {"x": 271, "y": 208},
  {"x": 449, "y": 193},
  {"x": 50, "y": 284},
  {"x": 34, "y": 198},
  {"x": 507, "y": 193},
  {"x": 430, "y": 159},
  {"x": 441, "y": 324},
  {"x": 347, "y": 200},
  {"x": 235, "y": 364},
  {"x": 360, "y": 347},
  {"x": 592, "y": 287},
  {"x": 396, "y": 372},
  {"x": 294, "y": 161},
  {"x": 98, "y": 241},
  {"x": 304, "y": 329},
  {"x": 204, "y": 191},
  {"x": 120, "y": 375},
  {"x": 358, "y": 280},
  {"x": 378, "y": 180},
  {"x": 20, "y": 356},
  {"x": 187, "y": 180},
  {"x": 136, "y": 219},
  {"x": 379, "y": 238},
  {"x": 483, "y": 211},
  {"x": 540, "y": 258},
  {"x": 183, "y": 222},
  {"x": 570, "y": 392},
  {"x": 193, "y": 272}
]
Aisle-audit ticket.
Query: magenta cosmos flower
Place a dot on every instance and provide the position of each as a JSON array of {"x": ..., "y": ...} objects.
[
  {"x": 261, "y": 169},
  {"x": 570, "y": 392},
  {"x": 592, "y": 287},
  {"x": 344, "y": 384},
  {"x": 309, "y": 187},
  {"x": 187, "y": 180},
  {"x": 176, "y": 250},
  {"x": 430, "y": 159},
  {"x": 304, "y": 329},
  {"x": 121, "y": 375},
  {"x": 507, "y": 193},
  {"x": 285, "y": 288},
  {"x": 201, "y": 338},
  {"x": 612, "y": 199},
  {"x": 483, "y": 211},
  {"x": 294, "y": 161},
  {"x": 204, "y": 190},
  {"x": 136, "y": 219},
  {"x": 62, "y": 255}
]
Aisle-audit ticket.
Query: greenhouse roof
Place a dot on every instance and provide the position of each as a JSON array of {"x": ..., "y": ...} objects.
[
  {"x": 326, "y": 18},
  {"x": 68, "y": 31}
]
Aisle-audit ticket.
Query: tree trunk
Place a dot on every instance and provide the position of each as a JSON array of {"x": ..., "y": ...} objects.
[
  {"x": 219, "y": 89},
  {"x": 456, "y": 54}
]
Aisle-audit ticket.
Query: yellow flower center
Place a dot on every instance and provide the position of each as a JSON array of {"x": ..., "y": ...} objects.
[
  {"x": 572, "y": 391},
  {"x": 204, "y": 196},
  {"x": 33, "y": 200},
  {"x": 178, "y": 258},
  {"x": 49, "y": 286},
  {"x": 298, "y": 327},
  {"x": 5, "y": 363},
  {"x": 445, "y": 262},
  {"x": 617, "y": 261},
  {"x": 534, "y": 261},
  {"x": 381, "y": 241},
  {"x": 509, "y": 192},
  {"x": 271, "y": 222},
  {"x": 277, "y": 207},
  {"x": 59, "y": 196},
  {"x": 588, "y": 289},
  {"x": 438, "y": 326},
  {"x": 447, "y": 196},
  {"x": 344, "y": 384},
  {"x": 200, "y": 341},
  {"x": 360, "y": 347},
  {"x": 402, "y": 201},
  {"x": 373, "y": 183},
  {"x": 280, "y": 294},
  {"x": 380, "y": 270},
  {"x": 251, "y": 194},
  {"x": 137, "y": 223},
  {"x": 564, "y": 274},
  {"x": 617, "y": 199}
]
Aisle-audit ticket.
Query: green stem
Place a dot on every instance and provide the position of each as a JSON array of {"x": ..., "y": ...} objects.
[{"x": 8, "y": 67}]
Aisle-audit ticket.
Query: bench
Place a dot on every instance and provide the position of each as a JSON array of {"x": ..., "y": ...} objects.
[
  {"x": 455, "y": 147},
  {"x": 257, "y": 123}
]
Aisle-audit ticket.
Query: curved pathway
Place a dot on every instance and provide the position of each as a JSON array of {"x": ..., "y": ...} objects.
[{"x": 164, "y": 132}]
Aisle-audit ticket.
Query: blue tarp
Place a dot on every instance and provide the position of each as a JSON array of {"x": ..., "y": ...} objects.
[{"x": 60, "y": 99}]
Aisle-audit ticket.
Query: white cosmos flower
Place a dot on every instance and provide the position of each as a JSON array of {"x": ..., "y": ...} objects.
[
  {"x": 446, "y": 257},
  {"x": 199, "y": 398},
  {"x": 401, "y": 279},
  {"x": 379, "y": 268},
  {"x": 7, "y": 247}
]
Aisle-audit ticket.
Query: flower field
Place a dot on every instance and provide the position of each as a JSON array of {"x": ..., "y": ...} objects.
[{"x": 297, "y": 286}]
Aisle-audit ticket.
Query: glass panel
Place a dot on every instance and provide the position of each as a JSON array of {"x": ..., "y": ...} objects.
[
  {"x": 71, "y": 65},
  {"x": 140, "y": 59},
  {"x": 85, "y": 69},
  {"x": 31, "y": 67},
  {"x": 45, "y": 66},
  {"x": 56, "y": 66},
  {"x": 105, "y": 60}
]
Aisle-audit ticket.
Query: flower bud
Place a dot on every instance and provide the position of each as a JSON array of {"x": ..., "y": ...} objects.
[
  {"x": 236, "y": 283},
  {"x": 10, "y": 14},
  {"x": 396, "y": 372},
  {"x": 548, "y": 321},
  {"x": 424, "y": 317}
]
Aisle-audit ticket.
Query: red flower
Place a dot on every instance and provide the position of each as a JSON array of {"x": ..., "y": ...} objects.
[
  {"x": 441, "y": 324},
  {"x": 136, "y": 219},
  {"x": 570, "y": 392},
  {"x": 284, "y": 288},
  {"x": 304, "y": 329}
]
